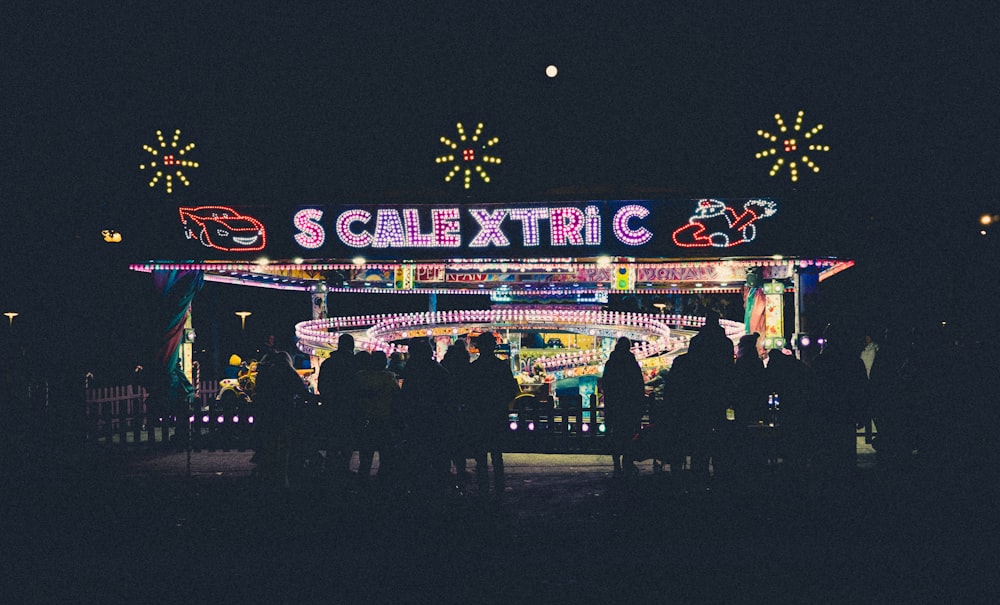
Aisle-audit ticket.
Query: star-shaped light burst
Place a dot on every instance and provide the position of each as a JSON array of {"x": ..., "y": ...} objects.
[
  {"x": 168, "y": 159},
  {"x": 791, "y": 148},
  {"x": 471, "y": 160}
]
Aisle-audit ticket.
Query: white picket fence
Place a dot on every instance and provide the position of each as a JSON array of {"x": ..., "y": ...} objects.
[{"x": 121, "y": 414}]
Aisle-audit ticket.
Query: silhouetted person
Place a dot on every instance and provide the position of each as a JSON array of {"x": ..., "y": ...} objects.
[
  {"x": 338, "y": 389},
  {"x": 748, "y": 404},
  {"x": 278, "y": 387},
  {"x": 457, "y": 361},
  {"x": 750, "y": 388},
  {"x": 840, "y": 377},
  {"x": 425, "y": 397},
  {"x": 880, "y": 403},
  {"x": 491, "y": 389},
  {"x": 270, "y": 346},
  {"x": 396, "y": 364},
  {"x": 378, "y": 388},
  {"x": 677, "y": 394},
  {"x": 790, "y": 380},
  {"x": 624, "y": 398},
  {"x": 663, "y": 436},
  {"x": 711, "y": 369}
]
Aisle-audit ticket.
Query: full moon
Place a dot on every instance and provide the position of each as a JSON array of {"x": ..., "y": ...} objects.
[{"x": 551, "y": 71}]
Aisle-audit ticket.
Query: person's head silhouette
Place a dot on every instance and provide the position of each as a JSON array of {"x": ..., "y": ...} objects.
[{"x": 486, "y": 343}]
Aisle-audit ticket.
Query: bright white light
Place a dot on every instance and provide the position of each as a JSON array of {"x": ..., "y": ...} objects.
[
  {"x": 551, "y": 71},
  {"x": 358, "y": 260}
]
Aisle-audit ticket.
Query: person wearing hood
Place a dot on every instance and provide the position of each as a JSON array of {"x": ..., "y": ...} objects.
[
  {"x": 624, "y": 397},
  {"x": 711, "y": 365}
]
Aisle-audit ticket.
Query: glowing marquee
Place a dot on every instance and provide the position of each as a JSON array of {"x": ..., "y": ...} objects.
[
  {"x": 408, "y": 228},
  {"x": 517, "y": 229}
]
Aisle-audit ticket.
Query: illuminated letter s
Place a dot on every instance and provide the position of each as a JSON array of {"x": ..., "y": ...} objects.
[{"x": 311, "y": 234}]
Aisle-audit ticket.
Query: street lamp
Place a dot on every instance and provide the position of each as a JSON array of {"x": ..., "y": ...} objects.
[
  {"x": 661, "y": 306},
  {"x": 243, "y": 318},
  {"x": 11, "y": 315}
]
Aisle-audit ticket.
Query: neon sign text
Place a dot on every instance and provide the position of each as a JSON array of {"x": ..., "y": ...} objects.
[
  {"x": 489, "y": 227},
  {"x": 624, "y": 232}
]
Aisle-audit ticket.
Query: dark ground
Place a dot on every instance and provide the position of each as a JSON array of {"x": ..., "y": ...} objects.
[{"x": 103, "y": 530}]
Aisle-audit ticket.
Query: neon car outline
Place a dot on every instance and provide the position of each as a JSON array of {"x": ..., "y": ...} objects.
[{"x": 222, "y": 228}]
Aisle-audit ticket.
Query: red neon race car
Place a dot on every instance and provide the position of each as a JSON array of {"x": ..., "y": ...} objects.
[{"x": 223, "y": 228}]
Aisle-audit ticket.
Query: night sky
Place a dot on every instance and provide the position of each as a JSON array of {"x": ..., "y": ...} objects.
[{"x": 291, "y": 103}]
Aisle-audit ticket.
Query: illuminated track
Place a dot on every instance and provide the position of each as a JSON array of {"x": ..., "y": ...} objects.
[{"x": 654, "y": 334}]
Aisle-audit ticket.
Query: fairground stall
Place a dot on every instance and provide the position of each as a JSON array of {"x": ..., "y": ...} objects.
[{"x": 551, "y": 271}]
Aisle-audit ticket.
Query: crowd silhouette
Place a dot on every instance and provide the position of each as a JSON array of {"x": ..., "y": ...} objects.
[{"x": 721, "y": 410}]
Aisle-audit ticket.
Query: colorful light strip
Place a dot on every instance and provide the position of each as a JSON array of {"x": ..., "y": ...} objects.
[
  {"x": 652, "y": 331},
  {"x": 580, "y": 277}
]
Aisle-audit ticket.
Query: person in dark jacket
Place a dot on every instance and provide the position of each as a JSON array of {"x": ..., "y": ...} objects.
[
  {"x": 425, "y": 400},
  {"x": 457, "y": 361},
  {"x": 378, "y": 389},
  {"x": 280, "y": 391},
  {"x": 840, "y": 379},
  {"x": 711, "y": 367},
  {"x": 748, "y": 403},
  {"x": 750, "y": 396},
  {"x": 492, "y": 387},
  {"x": 338, "y": 389},
  {"x": 789, "y": 381},
  {"x": 624, "y": 394}
]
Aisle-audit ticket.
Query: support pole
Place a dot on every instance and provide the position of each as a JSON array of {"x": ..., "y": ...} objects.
[
  {"x": 806, "y": 280},
  {"x": 318, "y": 294}
]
